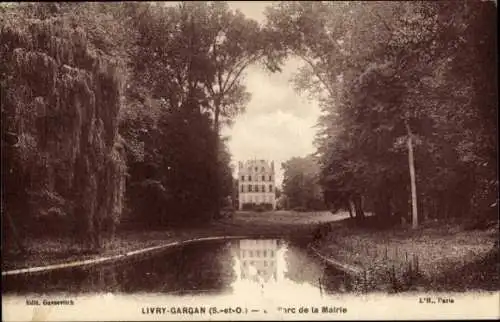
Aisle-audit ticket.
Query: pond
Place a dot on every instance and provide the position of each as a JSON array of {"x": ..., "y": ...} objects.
[{"x": 237, "y": 267}]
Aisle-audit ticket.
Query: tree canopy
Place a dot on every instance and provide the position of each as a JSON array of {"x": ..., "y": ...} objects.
[
  {"x": 301, "y": 183},
  {"x": 126, "y": 101},
  {"x": 391, "y": 73}
]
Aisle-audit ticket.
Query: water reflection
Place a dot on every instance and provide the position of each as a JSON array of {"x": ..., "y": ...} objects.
[
  {"x": 275, "y": 269},
  {"x": 257, "y": 260},
  {"x": 268, "y": 267}
]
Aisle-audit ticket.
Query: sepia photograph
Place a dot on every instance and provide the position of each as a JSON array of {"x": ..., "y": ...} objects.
[{"x": 240, "y": 160}]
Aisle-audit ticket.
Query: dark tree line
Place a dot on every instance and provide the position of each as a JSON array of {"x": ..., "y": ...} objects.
[
  {"x": 301, "y": 184},
  {"x": 186, "y": 81},
  {"x": 409, "y": 95},
  {"x": 111, "y": 114}
]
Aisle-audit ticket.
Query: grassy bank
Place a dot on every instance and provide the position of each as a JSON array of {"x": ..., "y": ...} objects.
[{"x": 436, "y": 256}]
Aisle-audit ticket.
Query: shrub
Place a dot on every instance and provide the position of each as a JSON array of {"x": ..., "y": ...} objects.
[{"x": 257, "y": 207}]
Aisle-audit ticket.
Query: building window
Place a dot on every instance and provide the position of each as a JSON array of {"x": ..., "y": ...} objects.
[
  {"x": 263, "y": 178},
  {"x": 249, "y": 178},
  {"x": 242, "y": 178},
  {"x": 257, "y": 253},
  {"x": 249, "y": 188},
  {"x": 256, "y": 169},
  {"x": 242, "y": 188},
  {"x": 262, "y": 169},
  {"x": 270, "y": 188},
  {"x": 265, "y": 253},
  {"x": 263, "y": 188},
  {"x": 250, "y": 253},
  {"x": 265, "y": 263},
  {"x": 271, "y": 253},
  {"x": 256, "y": 188},
  {"x": 270, "y": 178}
]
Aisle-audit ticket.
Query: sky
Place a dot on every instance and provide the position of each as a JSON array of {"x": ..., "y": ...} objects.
[{"x": 278, "y": 123}]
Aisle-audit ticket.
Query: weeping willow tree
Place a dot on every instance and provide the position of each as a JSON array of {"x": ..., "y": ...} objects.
[{"x": 63, "y": 161}]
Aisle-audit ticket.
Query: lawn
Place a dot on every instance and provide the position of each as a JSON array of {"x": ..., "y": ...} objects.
[
  {"x": 286, "y": 217},
  {"x": 437, "y": 254}
]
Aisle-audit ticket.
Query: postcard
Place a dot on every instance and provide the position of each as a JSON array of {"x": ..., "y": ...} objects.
[{"x": 294, "y": 160}]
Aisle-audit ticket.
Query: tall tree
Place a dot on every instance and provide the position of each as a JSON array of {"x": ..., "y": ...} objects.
[
  {"x": 61, "y": 99},
  {"x": 187, "y": 70},
  {"x": 301, "y": 183},
  {"x": 194, "y": 55},
  {"x": 385, "y": 75}
]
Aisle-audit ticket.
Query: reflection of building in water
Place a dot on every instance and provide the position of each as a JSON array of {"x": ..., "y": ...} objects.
[{"x": 258, "y": 258}]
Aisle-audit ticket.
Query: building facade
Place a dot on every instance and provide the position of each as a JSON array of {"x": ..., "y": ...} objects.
[{"x": 256, "y": 183}]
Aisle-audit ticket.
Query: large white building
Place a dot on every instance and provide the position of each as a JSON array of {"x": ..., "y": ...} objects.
[{"x": 256, "y": 183}]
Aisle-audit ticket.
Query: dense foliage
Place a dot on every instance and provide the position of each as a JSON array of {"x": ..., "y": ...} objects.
[
  {"x": 301, "y": 185},
  {"x": 62, "y": 157},
  {"x": 186, "y": 79},
  {"x": 111, "y": 107},
  {"x": 395, "y": 78}
]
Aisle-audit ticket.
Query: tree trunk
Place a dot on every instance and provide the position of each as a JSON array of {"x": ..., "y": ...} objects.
[
  {"x": 360, "y": 215},
  {"x": 217, "y": 210},
  {"x": 411, "y": 164},
  {"x": 425, "y": 209},
  {"x": 434, "y": 208},
  {"x": 350, "y": 207},
  {"x": 216, "y": 117}
]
